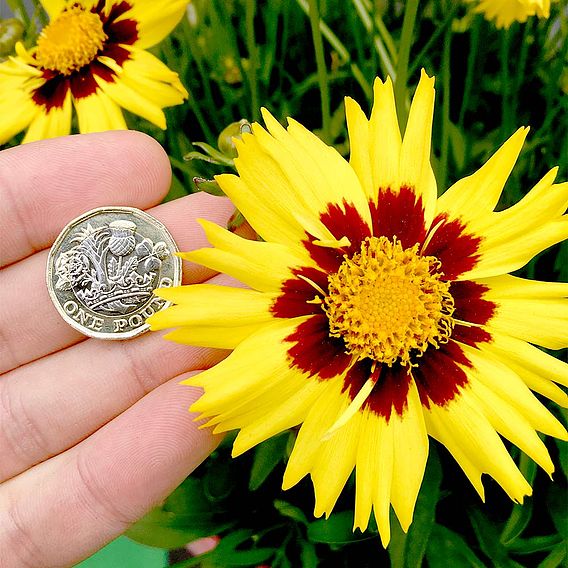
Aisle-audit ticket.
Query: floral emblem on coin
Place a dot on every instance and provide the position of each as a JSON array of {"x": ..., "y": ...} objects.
[{"x": 111, "y": 269}]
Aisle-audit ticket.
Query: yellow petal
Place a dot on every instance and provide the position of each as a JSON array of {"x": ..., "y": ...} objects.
[
  {"x": 55, "y": 122},
  {"x": 385, "y": 139},
  {"x": 261, "y": 265},
  {"x": 209, "y": 304},
  {"x": 506, "y": 384},
  {"x": 97, "y": 113},
  {"x": 510, "y": 238},
  {"x": 511, "y": 424},
  {"x": 281, "y": 411},
  {"x": 531, "y": 310},
  {"x": 333, "y": 465},
  {"x": 146, "y": 74},
  {"x": 360, "y": 143},
  {"x": 535, "y": 367},
  {"x": 219, "y": 337},
  {"x": 415, "y": 168},
  {"x": 130, "y": 99},
  {"x": 479, "y": 193},
  {"x": 155, "y": 19},
  {"x": 248, "y": 371},
  {"x": 410, "y": 455},
  {"x": 53, "y": 7},
  {"x": 463, "y": 428},
  {"x": 309, "y": 442},
  {"x": 270, "y": 219}
]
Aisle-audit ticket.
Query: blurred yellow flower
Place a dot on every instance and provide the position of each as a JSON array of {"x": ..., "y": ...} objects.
[
  {"x": 91, "y": 56},
  {"x": 379, "y": 314},
  {"x": 505, "y": 12}
]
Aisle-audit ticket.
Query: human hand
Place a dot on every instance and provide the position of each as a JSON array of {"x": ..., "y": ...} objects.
[{"x": 93, "y": 433}]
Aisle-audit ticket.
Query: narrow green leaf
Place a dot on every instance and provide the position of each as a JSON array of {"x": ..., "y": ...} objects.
[
  {"x": 409, "y": 550},
  {"x": 534, "y": 544},
  {"x": 309, "y": 555},
  {"x": 556, "y": 557},
  {"x": 204, "y": 158},
  {"x": 209, "y": 186},
  {"x": 290, "y": 511},
  {"x": 556, "y": 500},
  {"x": 266, "y": 457},
  {"x": 338, "y": 529},
  {"x": 489, "y": 542},
  {"x": 447, "y": 548},
  {"x": 214, "y": 153}
]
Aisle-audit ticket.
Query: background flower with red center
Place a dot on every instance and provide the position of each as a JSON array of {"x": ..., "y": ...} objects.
[{"x": 91, "y": 56}]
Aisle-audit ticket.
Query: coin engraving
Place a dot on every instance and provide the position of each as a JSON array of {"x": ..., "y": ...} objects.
[{"x": 103, "y": 268}]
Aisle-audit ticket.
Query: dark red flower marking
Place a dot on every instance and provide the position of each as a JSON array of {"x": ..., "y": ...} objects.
[
  {"x": 296, "y": 292},
  {"x": 399, "y": 214},
  {"x": 82, "y": 82},
  {"x": 315, "y": 352},
  {"x": 456, "y": 249},
  {"x": 53, "y": 92},
  {"x": 470, "y": 335},
  {"x": 438, "y": 375},
  {"x": 470, "y": 304},
  {"x": 342, "y": 221},
  {"x": 390, "y": 392}
]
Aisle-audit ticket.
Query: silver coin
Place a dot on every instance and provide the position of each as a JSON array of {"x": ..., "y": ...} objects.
[{"x": 103, "y": 268}]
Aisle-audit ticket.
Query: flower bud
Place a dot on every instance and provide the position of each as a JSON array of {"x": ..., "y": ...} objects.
[
  {"x": 225, "y": 141},
  {"x": 11, "y": 32}
]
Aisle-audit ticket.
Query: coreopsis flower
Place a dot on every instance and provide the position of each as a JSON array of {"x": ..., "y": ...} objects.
[
  {"x": 505, "y": 12},
  {"x": 378, "y": 313},
  {"x": 91, "y": 56}
]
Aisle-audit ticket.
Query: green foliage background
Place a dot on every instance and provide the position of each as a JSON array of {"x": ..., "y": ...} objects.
[{"x": 300, "y": 58}]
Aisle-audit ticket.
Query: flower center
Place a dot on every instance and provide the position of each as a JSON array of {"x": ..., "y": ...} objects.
[
  {"x": 388, "y": 303},
  {"x": 71, "y": 41}
]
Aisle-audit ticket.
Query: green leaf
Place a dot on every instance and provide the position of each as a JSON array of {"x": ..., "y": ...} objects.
[
  {"x": 164, "y": 529},
  {"x": 556, "y": 501},
  {"x": 290, "y": 511},
  {"x": 309, "y": 555},
  {"x": 228, "y": 554},
  {"x": 489, "y": 542},
  {"x": 556, "y": 557},
  {"x": 409, "y": 550},
  {"x": 535, "y": 544},
  {"x": 214, "y": 154},
  {"x": 209, "y": 186},
  {"x": 338, "y": 529},
  {"x": 266, "y": 457},
  {"x": 447, "y": 548},
  {"x": 521, "y": 514}
]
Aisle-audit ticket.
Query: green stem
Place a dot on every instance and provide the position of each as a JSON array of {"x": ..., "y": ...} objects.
[
  {"x": 445, "y": 109},
  {"x": 386, "y": 62},
  {"x": 253, "y": 58},
  {"x": 400, "y": 91},
  {"x": 322, "y": 71},
  {"x": 470, "y": 73},
  {"x": 505, "y": 85},
  {"x": 210, "y": 137},
  {"x": 341, "y": 50},
  {"x": 520, "y": 68},
  {"x": 440, "y": 28},
  {"x": 20, "y": 11},
  {"x": 195, "y": 53}
]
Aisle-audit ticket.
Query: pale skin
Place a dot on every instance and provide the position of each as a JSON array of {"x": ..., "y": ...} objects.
[{"x": 93, "y": 433}]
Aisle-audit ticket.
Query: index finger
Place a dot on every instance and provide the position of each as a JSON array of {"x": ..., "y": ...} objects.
[{"x": 45, "y": 184}]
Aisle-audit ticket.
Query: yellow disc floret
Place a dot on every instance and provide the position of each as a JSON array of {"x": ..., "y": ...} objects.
[
  {"x": 389, "y": 304},
  {"x": 71, "y": 41}
]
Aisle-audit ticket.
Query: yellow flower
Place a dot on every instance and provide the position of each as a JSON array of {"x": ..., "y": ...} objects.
[
  {"x": 378, "y": 313},
  {"x": 92, "y": 56},
  {"x": 505, "y": 12}
]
